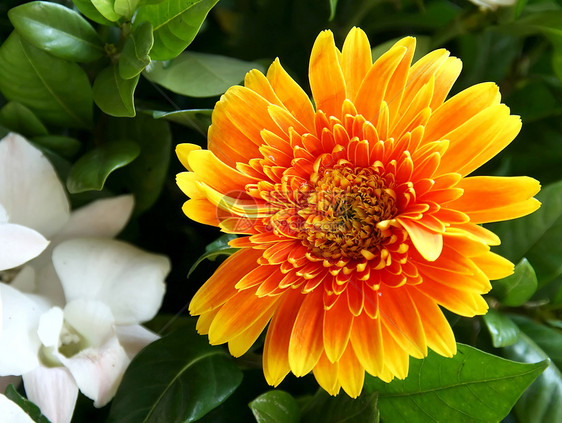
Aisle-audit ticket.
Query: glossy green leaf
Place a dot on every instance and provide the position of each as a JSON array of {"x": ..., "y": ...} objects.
[
  {"x": 62, "y": 145},
  {"x": 92, "y": 169},
  {"x": 548, "y": 339},
  {"x": 30, "y": 408},
  {"x": 198, "y": 119},
  {"x": 275, "y": 407},
  {"x": 106, "y": 9},
  {"x": 516, "y": 289},
  {"x": 126, "y": 8},
  {"x": 57, "y": 91},
  {"x": 503, "y": 331},
  {"x": 57, "y": 30},
  {"x": 217, "y": 248},
  {"x": 341, "y": 409},
  {"x": 88, "y": 9},
  {"x": 20, "y": 119},
  {"x": 537, "y": 236},
  {"x": 175, "y": 23},
  {"x": 178, "y": 378},
  {"x": 472, "y": 386},
  {"x": 146, "y": 175},
  {"x": 134, "y": 57},
  {"x": 113, "y": 94},
  {"x": 199, "y": 74},
  {"x": 541, "y": 402}
]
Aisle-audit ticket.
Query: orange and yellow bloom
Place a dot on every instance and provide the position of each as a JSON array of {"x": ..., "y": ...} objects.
[{"x": 358, "y": 214}]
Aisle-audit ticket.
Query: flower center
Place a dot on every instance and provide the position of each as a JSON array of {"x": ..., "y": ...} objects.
[{"x": 343, "y": 214}]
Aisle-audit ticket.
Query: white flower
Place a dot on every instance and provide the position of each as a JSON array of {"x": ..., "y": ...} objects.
[
  {"x": 492, "y": 4},
  {"x": 11, "y": 412},
  {"x": 110, "y": 287}
]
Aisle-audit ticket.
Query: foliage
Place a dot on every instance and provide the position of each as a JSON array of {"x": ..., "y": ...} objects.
[{"x": 107, "y": 88}]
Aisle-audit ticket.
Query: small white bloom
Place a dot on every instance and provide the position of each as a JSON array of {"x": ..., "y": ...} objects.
[{"x": 492, "y": 4}]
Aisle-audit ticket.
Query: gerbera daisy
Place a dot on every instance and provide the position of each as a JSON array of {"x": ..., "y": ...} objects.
[{"x": 359, "y": 218}]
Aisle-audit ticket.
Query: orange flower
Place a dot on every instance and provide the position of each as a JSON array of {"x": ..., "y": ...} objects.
[{"x": 359, "y": 215}]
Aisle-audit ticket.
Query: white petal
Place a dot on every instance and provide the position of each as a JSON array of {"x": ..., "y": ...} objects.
[
  {"x": 47, "y": 283},
  {"x": 54, "y": 391},
  {"x": 19, "y": 343},
  {"x": 30, "y": 190},
  {"x": 134, "y": 338},
  {"x": 19, "y": 244},
  {"x": 127, "y": 279},
  {"x": 91, "y": 319},
  {"x": 98, "y": 371},
  {"x": 11, "y": 412},
  {"x": 101, "y": 219},
  {"x": 3, "y": 215},
  {"x": 50, "y": 327}
]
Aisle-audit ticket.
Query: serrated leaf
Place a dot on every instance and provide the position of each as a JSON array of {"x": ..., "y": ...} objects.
[
  {"x": 175, "y": 23},
  {"x": 62, "y": 145},
  {"x": 30, "y": 408},
  {"x": 126, "y": 8},
  {"x": 88, "y": 9},
  {"x": 106, "y": 9},
  {"x": 516, "y": 289},
  {"x": 113, "y": 94},
  {"x": 536, "y": 236},
  {"x": 144, "y": 177},
  {"x": 472, "y": 386},
  {"x": 541, "y": 402},
  {"x": 92, "y": 169},
  {"x": 57, "y": 30},
  {"x": 275, "y": 407},
  {"x": 503, "y": 331},
  {"x": 199, "y": 74},
  {"x": 341, "y": 408},
  {"x": 178, "y": 378},
  {"x": 198, "y": 119},
  {"x": 20, "y": 119},
  {"x": 56, "y": 90},
  {"x": 217, "y": 248},
  {"x": 134, "y": 57}
]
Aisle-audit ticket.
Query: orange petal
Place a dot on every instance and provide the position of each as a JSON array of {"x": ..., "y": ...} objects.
[
  {"x": 241, "y": 344},
  {"x": 427, "y": 242},
  {"x": 202, "y": 211},
  {"x": 326, "y": 374},
  {"x": 204, "y": 321},
  {"x": 306, "y": 337},
  {"x": 366, "y": 338},
  {"x": 356, "y": 60},
  {"x": 221, "y": 286},
  {"x": 461, "y": 302},
  {"x": 326, "y": 78},
  {"x": 257, "y": 82},
  {"x": 396, "y": 360},
  {"x": 445, "y": 77},
  {"x": 338, "y": 321},
  {"x": 190, "y": 185},
  {"x": 493, "y": 265},
  {"x": 351, "y": 374},
  {"x": 183, "y": 151}
]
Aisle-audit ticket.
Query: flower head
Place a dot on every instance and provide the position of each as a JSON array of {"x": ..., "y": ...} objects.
[{"x": 359, "y": 218}]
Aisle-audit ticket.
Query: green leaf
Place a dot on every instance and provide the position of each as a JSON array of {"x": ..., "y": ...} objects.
[
  {"x": 341, "y": 409},
  {"x": 88, "y": 9},
  {"x": 275, "y": 407},
  {"x": 126, "y": 8},
  {"x": 333, "y": 5},
  {"x": 20, "y": 119},
  {"x": 106, "y": 9},
  {"x": 145, "y": 177},
  {"x": 134, "y": 57},
  {"x": 113, "y": 94},
  {"x": 536, "y": 236},
  {"x": 175, "y": 22},
  {"x": 178, "y": 378},
  {"x": 57, "y": 91},
  {"x": 30, "y": 408},
  {"x": 548, "y": 339},
  {"x": 199, "y": 74},
  {"x": 503, "y": 331},
  {"x": 516, "y": 289},
  {"x": 472, "y": 386},
  {"x": 57, "y": 30},
  {"x": 218, "y": 247},
  {"x": 92, "y": 169},
  {"x": 541, "y": 402},
  {"x": 198, "y": 119},
  {"x": 64, "y": 146}
]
